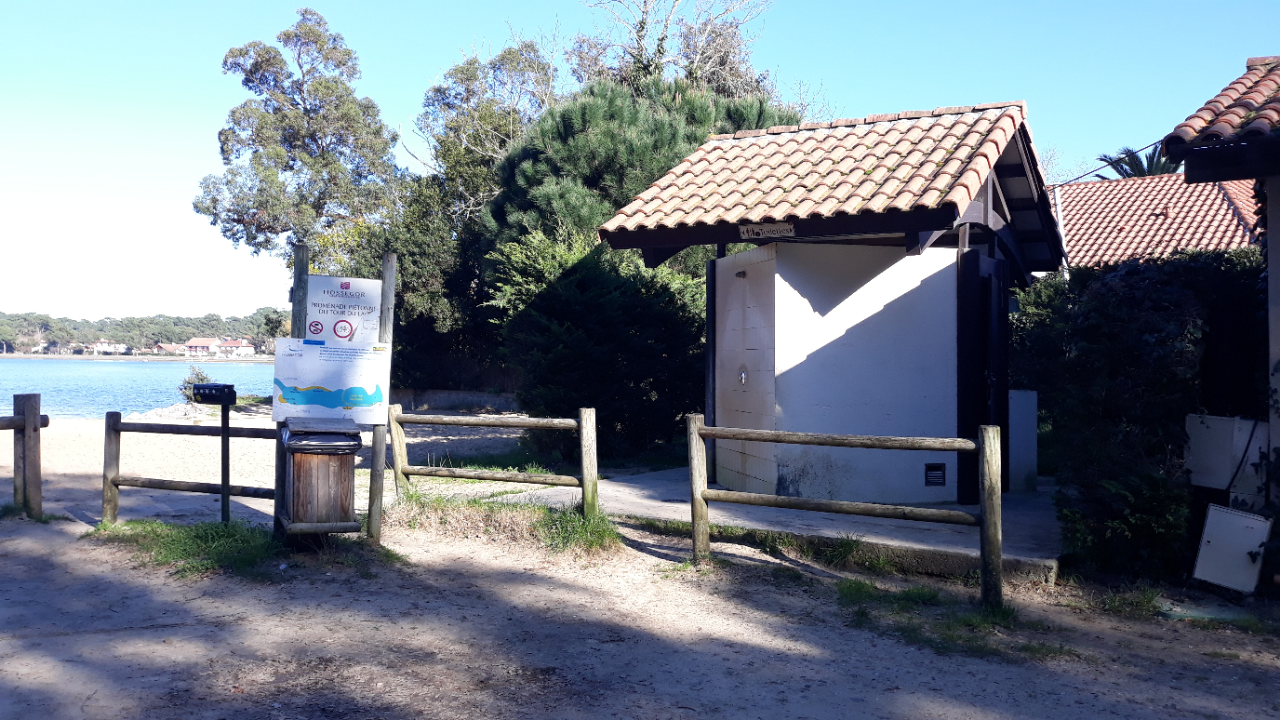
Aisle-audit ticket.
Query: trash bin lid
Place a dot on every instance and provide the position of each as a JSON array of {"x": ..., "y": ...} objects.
[
  {"x": 322, "y": 425},
  {"x": 322, "y": 443}
]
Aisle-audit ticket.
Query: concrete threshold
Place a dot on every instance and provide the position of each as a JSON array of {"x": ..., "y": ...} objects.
[{"x": 1032, "y": 540}]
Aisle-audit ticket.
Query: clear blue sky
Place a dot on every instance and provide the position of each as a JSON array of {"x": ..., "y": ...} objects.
[{"x": 110, "y": 114}]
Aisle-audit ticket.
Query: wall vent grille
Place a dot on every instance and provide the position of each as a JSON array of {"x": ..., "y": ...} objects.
[{"x": 935, "y": 474}]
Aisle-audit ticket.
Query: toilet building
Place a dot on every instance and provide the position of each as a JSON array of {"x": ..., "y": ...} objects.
[{"x": 872, "y": 297}]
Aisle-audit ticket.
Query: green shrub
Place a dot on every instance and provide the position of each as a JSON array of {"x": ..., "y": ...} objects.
[
  {"x": 590, "y": 327},
  {"x": 1120, "y": 356},
  {"x": 194, "y": 377}
]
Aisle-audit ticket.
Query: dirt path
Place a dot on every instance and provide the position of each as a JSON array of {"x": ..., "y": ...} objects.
[
  {"x": 473, "y": 627},
  {"x": 480, "y": 628}
]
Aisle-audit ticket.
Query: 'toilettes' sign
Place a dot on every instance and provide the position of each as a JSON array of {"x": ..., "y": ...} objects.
[
  {"x": 766, "y": 231},
  {"x": 343, "y": 309}
]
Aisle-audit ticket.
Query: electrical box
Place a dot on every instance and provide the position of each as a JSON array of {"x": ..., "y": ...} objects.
[
  {"x": 1225, "y": 453},
  {"x": 1231, "y": 548},
  {"x": 214, "y": 393}
]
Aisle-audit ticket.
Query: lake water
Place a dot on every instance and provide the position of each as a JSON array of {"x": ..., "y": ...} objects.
[{"x": 91, "y": 388}]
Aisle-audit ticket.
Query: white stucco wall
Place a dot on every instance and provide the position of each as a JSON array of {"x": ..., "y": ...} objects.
[
  {"x": 1024, "y": 433},
  {"x": 744, "y": 343},
  {"x": 865, "y": 343}
]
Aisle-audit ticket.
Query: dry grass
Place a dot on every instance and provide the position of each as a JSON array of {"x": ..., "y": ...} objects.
[{"x": 522, "y": 523}]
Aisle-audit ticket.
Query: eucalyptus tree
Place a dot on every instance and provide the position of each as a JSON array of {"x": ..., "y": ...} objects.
[{"x": 305, "y": 158}]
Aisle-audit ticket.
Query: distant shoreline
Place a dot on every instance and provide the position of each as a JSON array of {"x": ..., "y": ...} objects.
[{"x": 261, "y": 359}]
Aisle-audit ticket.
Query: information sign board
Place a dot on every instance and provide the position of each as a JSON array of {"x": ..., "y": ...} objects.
[
  {"x": 322, "y": 379},
  {"x": 343, "y": 309}
]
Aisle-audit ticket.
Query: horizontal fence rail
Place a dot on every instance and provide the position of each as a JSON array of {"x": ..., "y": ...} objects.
[
  {"x": 498, "y": 475},
  {"x": 507, "y": 422},
  {"x": 203, "y": 431},
  {"x": 19, "y": 422},
  {"x": 28, "y": 483},
  {"x": 897, "y": 512},
  {"x": 988, "y": 522},
  {"x": 112, "y": 481},
  {"x": 853, "y": 441},
  {"x": 585, "y": 425},
  {"x": 195, "y": 487}
]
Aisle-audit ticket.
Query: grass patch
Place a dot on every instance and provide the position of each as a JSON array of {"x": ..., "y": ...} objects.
[
  {"x": 916, "y": 596},
  {"x": 929, "y": 618},
  {"x": 845, "y": 552},
  {"x": 520, "y": 460},
  {"x": 880, "y": 565},
  {"x": 1139, "y": 602},
  {"x": 1248, "y": 624},
  {"x": 842, "y": 552},
  {"x": 9, "y": 510},
  {"x": 242, "y": 400},
  {"x": 199, "y": 549},
  {"x": 557, "y": 528},
  {"x": 855, "y": 592},
  {"x": 566, "y": 529}
]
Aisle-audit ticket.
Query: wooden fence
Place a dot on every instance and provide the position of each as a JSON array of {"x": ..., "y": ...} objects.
[
  {"x": 987, "y": 446},
  {"x": 112, "y": 480},
  {"x": 585, "y": 425},
  {"x": 25, "y": 423}
]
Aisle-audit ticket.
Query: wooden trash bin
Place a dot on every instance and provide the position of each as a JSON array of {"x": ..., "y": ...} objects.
[{"x": 320, "y": 474}]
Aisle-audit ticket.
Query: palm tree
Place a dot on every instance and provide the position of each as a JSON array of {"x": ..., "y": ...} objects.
[{"x": 1127, "y": 164}]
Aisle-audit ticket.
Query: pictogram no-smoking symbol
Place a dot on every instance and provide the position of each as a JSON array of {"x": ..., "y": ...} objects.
[{"x": 316, "y": 327}]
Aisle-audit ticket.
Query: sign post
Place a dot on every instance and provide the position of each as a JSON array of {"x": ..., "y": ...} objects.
[{"x": 337, "y": 365}]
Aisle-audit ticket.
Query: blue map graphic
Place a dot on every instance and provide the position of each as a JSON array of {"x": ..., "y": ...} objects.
[{"x": 342, "y": 398}]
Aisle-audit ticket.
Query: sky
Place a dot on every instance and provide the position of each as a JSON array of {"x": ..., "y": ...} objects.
[{"x": 111, "y": 110}]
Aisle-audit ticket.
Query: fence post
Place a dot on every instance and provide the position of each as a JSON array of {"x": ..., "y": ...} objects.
[
  {"x": 378, "y": 464},
  {"x": 697, "y": 484},
  {"x": 989, "y": 477},
  {"x": 19, "y": 466},
  {"x": 399, "y": 449},
  {"x": 111, "y": 470},
  {"x": 26, "y": 444},
  {"x": 590, "y": 469}
]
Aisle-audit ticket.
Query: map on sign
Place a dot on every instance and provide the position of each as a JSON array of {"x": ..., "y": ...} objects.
[
  {"x": 343, "y": 309},
  {"x": 319, "y": 379}
]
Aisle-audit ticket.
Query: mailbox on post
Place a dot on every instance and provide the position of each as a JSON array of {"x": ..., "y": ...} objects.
[
  {"x": 320, "y": 475},
  {"x": 214, "y": 393}
]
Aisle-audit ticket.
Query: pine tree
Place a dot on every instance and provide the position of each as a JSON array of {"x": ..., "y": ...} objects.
[{"x": 590, "y": 156}]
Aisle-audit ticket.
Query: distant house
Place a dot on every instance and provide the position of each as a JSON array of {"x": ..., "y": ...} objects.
[
  {"x": 235, "y": 348},
  {"x": 169, "y": 349},
  {"x": 106, "y": 347},
  {"x": 201, "y": 347},
  {"x": 1110, "y": 221}
]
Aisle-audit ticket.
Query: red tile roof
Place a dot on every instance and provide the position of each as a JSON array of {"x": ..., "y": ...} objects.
[
  {"x": 1248, "y": 107},
  {"x": 900, "y": 161},
  {"x": 1113, "y": 220}
]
